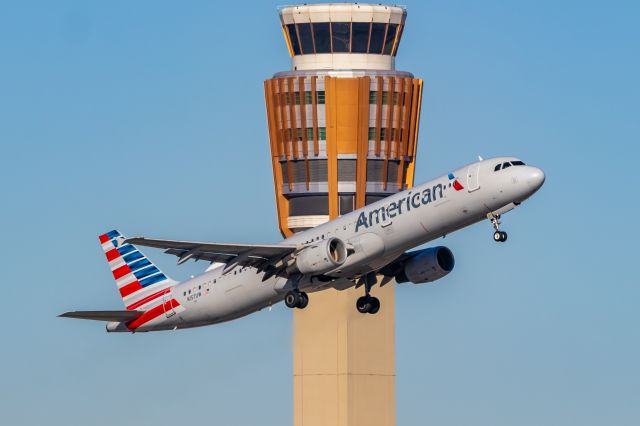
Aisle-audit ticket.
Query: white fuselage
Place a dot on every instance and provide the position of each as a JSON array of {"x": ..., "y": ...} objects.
[{"x": 378, "y": 234}]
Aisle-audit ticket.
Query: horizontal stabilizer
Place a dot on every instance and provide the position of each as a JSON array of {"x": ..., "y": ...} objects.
[{"x": 120, "y": 316}]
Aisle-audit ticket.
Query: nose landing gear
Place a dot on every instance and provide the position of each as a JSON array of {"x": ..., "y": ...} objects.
[{"x": 498, "y": 236}]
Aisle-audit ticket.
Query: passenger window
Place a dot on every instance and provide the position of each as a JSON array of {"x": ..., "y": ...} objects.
[
  {"x": 517, "y": 163},
  {"x": 497, "y": 168}
]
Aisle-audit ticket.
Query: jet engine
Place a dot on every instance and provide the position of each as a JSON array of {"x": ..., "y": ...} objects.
[
  {"x": 321, "y": 257},
  {"x": 427, "y": 265}
]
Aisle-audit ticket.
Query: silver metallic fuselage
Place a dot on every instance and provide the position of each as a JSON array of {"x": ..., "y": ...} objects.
[{"x": 378, "y": 234}]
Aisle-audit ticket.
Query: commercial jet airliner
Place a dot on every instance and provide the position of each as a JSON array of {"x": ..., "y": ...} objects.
[{"x": 361, "y": 248}]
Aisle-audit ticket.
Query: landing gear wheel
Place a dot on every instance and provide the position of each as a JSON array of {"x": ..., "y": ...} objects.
[
  {"x": 498, "y": 236},
  {"x": 292, "y": 299},
  {"x": 368, "y": 305},
  {"x": 363, "y": 304},
  {"x": 303, "y": 300},
  {"x": 375, "y": 305}
]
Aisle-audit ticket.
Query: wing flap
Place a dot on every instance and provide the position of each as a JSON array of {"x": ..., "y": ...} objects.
[{"x": 120, "y": 316}]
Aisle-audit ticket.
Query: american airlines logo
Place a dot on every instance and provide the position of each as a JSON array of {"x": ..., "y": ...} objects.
[{"x": 405, "y": 204}]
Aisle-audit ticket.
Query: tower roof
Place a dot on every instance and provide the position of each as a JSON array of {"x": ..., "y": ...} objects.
[{"x": 343, "y": 35}]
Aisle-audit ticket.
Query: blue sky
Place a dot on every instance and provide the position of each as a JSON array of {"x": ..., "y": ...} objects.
[{"x": 136, "y": 115}]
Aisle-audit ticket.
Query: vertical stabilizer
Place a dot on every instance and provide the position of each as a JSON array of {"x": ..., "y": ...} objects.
[{"x": 140, "y": 282}]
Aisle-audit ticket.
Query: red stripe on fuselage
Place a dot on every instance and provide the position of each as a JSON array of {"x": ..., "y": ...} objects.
[
  {"x": 126, "y": 290},
  {"x": 112, "y": 254},
  {"x": 153, "y": 313},
  {"x": 121, "y": 272},
  {"x": 147, "y": 299}
]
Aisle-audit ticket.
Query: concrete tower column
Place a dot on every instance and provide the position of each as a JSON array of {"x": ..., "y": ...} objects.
[{"x": 343, "y": 130}]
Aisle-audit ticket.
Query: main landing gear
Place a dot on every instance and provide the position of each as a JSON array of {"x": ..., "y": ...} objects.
[
  {"x": 296, "y": 299},
  {"x": 368, "y": 304},
  {"x": 498, "y": 236}
]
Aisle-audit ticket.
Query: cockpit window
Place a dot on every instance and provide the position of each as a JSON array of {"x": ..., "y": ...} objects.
[{"x": 508, "y": 164}]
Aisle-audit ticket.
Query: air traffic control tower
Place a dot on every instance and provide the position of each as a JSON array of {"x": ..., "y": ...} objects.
[{"x": 343, "y": 130}]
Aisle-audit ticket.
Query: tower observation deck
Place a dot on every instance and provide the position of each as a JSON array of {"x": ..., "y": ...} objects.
[
  {"x": 343, "y": 123},
  {"x": 343, "y": 131}
]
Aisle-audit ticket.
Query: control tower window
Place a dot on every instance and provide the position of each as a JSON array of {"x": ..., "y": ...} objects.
[
  {"x": 306, "y": 39},
  {"x": 310, "y": 205},
  {"x": 322, "y": 133},
  {"x": 377, "y": 37},
  {"x": 318, "y": 171},
  {"x": 360, "y": 37},
  {"x": 322, "y": 35},
  {"x": 370, "y": 199},
  {"x": 293, "y": 37},
  {"x": 346, "y": 170},
  {"x": 388, "y": 41},
  {"x": 298, "y": 171},
  {"x": 394, "y": 53},
  {"x": 307, "y": 98},
  {"x": 375, "y": 170},
  {"x": 346, "y": 204},
  {"x": 340, "y": 36}
]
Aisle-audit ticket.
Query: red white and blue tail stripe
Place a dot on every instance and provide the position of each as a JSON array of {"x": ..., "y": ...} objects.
[{"x": 141, "y": 284}]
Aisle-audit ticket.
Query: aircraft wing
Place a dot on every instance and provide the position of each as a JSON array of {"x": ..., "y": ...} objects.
[
  {"x": 260, "y": 255},
  {"x": 120, "y": 316}
]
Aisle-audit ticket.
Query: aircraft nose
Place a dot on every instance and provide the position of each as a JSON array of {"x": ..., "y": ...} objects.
[{"x": 535, "y": 178}]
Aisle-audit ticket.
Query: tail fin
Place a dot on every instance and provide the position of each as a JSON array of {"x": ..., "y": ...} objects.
[{"x": 140, "y": 282}]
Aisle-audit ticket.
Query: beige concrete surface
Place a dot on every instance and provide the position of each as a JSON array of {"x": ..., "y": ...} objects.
[{"x": 344, "y": 361}]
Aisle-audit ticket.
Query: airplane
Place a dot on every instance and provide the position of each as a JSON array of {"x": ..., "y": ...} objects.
[{"x": 358, "y": 249}]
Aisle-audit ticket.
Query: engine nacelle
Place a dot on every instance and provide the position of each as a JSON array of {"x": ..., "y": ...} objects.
[
  {"x": 428, "y": 265},
  {"x": 322, "y": 257}
]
